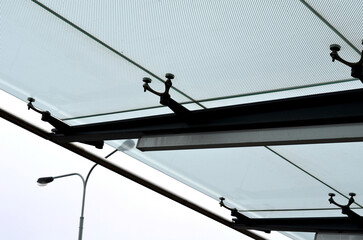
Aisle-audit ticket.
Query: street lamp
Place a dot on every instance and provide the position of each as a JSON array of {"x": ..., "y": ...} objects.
[{"x": 45, "y": 180}]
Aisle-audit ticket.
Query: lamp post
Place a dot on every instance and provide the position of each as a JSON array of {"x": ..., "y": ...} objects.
[{"x": 45, "y": 180}]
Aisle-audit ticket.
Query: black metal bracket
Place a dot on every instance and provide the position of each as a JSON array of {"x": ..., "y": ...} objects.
[
  {"x": 234, "y": 212},
  {"x": 221, "y": 204},
  {"x": 346, "y": 208},
  {"x": 59, "y": 126},
  {"x": 352, "y": 223},
  {"x": 357, "y": 68},
  {"x": 165, "y": 98}
]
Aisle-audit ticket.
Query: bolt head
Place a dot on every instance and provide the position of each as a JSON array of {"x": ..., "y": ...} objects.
[
  {"x": 352, "y": 194},
  {"x": 169, "y": 76},
  {"x": 331, "y": 194},
  {"x": 30, "y": 99},
  {"x": 146, "y": 80},
  {"x": 335, "y": 47}
]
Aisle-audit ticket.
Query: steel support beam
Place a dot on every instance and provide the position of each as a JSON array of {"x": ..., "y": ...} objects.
[
  {"x": 330, "y": 109},
  {"x": 333, "y": 224}
]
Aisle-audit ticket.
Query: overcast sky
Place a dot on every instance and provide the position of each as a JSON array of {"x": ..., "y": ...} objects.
[{"x": 116, "y": 208}]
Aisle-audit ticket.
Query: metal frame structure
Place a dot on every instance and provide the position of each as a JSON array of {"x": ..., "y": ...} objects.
[
  {"x": 341, "y": 111},
  {"x": 323, "y": 118},
  {"x": 299, "y": 114},
  {"x": 351, "y": 224}
]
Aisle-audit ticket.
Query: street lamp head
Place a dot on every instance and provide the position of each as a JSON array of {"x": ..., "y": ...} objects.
[{"x": 44, "y": 181}]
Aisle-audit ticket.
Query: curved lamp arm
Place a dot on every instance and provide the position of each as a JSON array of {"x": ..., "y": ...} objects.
[{"x": 45, "y": 180}]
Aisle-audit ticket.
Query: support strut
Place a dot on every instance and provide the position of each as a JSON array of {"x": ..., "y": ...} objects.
[
  {"x": 165, "y": 98},
  {"x": 357, "y": 68}
]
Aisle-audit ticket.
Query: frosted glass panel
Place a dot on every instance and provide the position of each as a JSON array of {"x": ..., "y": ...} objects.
[
  {"x": 67, "y": 73},
  {"x": 345, "y": 16},
  {"x": 249, "y": 178},
  {"x": 217, "y": 48},
  {"x": 339, "y": 164}
]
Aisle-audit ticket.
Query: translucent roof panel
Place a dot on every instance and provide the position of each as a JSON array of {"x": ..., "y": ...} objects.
[
  {"x": 216, "y": 49},
  {"x": 269, "y": 182},
  {"x": 252, "y": 178},
  {"x": 344, "y": 16},
  {"x": 67, "y": 73},
  {"x": 89, "y": 60},
  {"x": 338, "y": 164}
]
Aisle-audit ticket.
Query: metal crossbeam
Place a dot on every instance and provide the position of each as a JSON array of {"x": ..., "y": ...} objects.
[{"x": 332, "y": 111}]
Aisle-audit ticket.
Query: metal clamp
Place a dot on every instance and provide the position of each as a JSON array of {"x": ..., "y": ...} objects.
[
  {"x": 59, "y": 126},
  {"x": 162, "y": 95},
  {"x": 357, "y": 68},
  {"x": 221, "y": 203},
  {"x": 165, "y": 98},
  {"x": 352, "y": 223},
  {"x": 31, "y": 106},
  {"x": 345, "y": 208}
]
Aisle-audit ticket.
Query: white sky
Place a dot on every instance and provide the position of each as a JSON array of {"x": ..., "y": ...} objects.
[{"x": 116, "y": 208}]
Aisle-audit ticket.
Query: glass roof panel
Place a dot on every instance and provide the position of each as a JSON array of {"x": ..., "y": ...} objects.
[
  {"x": 67, "y": 73},
  {"x": 217, "y": 49},
  {"x": 345, "y": 16},
  {"x": 249, "y": 178},
  {"x": 338, "y": 164}
]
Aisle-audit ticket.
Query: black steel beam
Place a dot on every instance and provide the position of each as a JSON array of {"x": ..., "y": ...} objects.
[
  {"x": 322, "y": 109},
  {"x": 351, "y": 224},
  {"x": 332, "y": 224},
  {"x": 123, "y": 172}
]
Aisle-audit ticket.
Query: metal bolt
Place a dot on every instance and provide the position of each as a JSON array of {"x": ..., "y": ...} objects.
[
  {"x": 335, "y": 47},
  {"x": 169, "y": 76},
  {"x": 146, "y": 80}
]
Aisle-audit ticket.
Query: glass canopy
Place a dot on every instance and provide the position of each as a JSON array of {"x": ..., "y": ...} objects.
[
  {"x": 84, "y": 61},
  {"x": 275, "y": 181}
]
